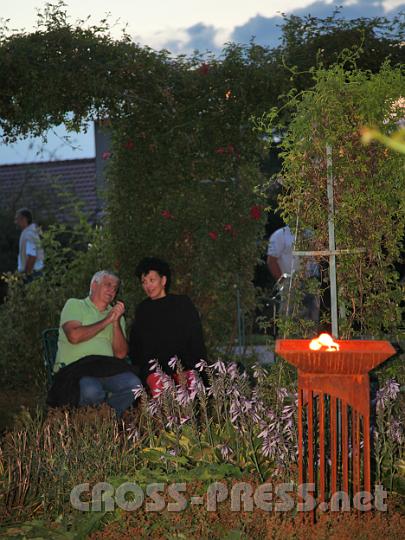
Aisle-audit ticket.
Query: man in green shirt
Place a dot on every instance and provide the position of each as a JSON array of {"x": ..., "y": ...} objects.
[{"x": 92, "y": 341}]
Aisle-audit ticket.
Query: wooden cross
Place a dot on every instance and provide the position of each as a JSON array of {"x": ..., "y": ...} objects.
[{"x": 332, "y": 251}]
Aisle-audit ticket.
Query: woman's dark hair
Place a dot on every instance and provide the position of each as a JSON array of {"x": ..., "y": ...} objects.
[{"x": 158, "y": 265}]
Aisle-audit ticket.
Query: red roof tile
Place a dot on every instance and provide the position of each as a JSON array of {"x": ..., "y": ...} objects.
[{"x": 51, "y": 189}]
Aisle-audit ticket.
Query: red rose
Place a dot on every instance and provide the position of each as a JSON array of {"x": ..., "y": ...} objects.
[
  {"x": 166, "y": 214},
  {"x": 230, "y": 149},
  {"x": 204, "y": 69},
  {"x": 213, "y": 235},
  {"x": 255, "y": 212},
  {"x": 129, "y": 144},
  {"x": 228, "y": 228}
]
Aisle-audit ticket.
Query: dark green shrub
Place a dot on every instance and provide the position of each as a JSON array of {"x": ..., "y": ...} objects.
[
  {"x": 29, "y": 309},
  {"x": 369, "y": 189}
]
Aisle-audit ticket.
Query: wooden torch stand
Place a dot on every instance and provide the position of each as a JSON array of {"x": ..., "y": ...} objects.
[{"x": 334, "y": 413}]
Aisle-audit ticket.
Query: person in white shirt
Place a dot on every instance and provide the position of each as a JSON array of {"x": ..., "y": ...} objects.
[
  {"x": 280, "y": 258},
  {"x": 30, "y": 253},
  {"x": 283, "y": 264}
]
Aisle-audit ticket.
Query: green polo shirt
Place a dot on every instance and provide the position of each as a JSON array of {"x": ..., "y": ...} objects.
[{"x": 87, "y": 313}]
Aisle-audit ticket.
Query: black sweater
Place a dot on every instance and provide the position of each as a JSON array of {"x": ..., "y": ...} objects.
[{"x": 163, "y": 328}]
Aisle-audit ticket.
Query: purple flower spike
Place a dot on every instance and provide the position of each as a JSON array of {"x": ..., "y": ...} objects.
[
  {"x": 173, "y": 362},
  {"x": 233, "y": 371},
  {"x": 138, "y": 392},
  {"x": 387, "y": 393},
  {"x": 182, "y": 395},
  {"x": 219, "y": 366},
  {"x": 258, "y": 372},
  {"x": 201, "y": 365},
  {"x": 226, "y": 451},
  {"x": 154, "y": 364}
]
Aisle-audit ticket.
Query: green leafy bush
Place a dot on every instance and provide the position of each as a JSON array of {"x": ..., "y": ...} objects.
[
  {"x": 369, "y": 189},
  {"x": 73, "y": 255},
  {"x": 182, "y": 185}
]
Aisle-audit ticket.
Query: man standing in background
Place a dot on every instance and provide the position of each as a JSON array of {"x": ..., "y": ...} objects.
[
  {"x": 30, "y": 253},
  {"x": 282, "y": 263},
  {"x": 280, "y": 258}
]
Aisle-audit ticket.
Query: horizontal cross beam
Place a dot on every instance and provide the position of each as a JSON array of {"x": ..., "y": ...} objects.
[{"x": 326, "y": 252}]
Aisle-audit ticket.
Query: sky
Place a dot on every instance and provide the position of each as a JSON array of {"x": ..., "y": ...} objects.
[{"x": 181, "y": 26}]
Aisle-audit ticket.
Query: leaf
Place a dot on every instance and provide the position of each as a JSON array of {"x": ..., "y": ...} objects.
[
  {"x": 87, "y": 523},
  {"x": 235, "y": 534}
]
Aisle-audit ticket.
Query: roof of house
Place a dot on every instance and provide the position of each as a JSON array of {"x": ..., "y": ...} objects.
[{"x": 51, "y": 188}]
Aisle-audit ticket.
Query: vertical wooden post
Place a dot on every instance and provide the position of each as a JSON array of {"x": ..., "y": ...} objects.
[
  {"x": 300, "y": 441},
  {"x": 345, "y": 449},
  {"x": 333, "y": 444},
  {"x": 321, "y": 447},
  {"x": 310, "y": 438},
  {"x": 366, "y": 454},
  {"x": 332, "y": 247}
]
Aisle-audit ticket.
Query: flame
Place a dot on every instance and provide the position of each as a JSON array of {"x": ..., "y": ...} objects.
[{"x": 324, "y": 340}]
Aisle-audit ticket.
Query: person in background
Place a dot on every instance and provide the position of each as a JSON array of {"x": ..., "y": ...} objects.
[
  {"x": 90, "y": 367},
  {"x": 165, "y": 326},
  {"x": 282, "y": 265},
  {"x": 30, "y": 253}
]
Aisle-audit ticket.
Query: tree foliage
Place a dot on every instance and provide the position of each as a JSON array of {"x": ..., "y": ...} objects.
[
  {"x": 310, "y": 41},
  {"x": 69, "y": 72},
  {"x": 184, "y": 161},
  {"x": 369, "y": 188}
]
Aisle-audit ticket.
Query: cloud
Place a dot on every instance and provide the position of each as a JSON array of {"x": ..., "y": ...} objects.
[
  {"x": 202, "y": 37},
  {"x": 267, "y": 30},
  {"x": 264, "y": 30}
]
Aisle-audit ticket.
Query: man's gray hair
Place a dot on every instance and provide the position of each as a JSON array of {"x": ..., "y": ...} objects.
[{"x": 100, "y": 275}]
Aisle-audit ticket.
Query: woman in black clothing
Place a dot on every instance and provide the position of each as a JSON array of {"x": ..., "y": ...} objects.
[{"x": 165, "y": 326}]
